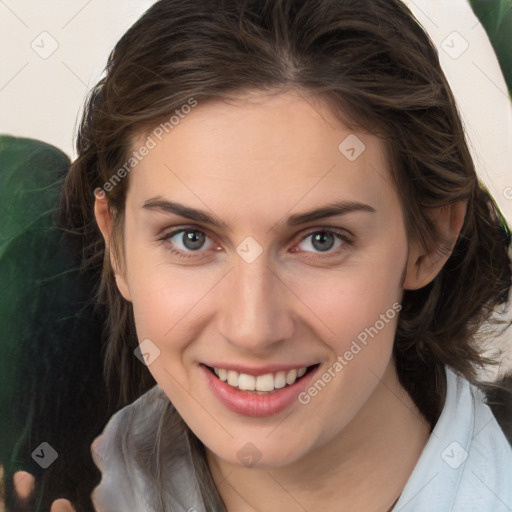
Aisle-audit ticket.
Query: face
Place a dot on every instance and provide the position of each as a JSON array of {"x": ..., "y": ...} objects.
[{"x": 255, "y": 285}]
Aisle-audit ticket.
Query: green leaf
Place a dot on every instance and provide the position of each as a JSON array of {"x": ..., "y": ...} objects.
[
  {"x": 50, "y": 336},
  {"x": 496, "y": 18}
]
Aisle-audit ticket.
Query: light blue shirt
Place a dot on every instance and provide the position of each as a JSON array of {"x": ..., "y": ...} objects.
[{"x": 466, "y": 465}]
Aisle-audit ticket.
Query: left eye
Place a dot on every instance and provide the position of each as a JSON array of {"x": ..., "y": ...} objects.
[
  {"x": 192, "y": 240},
  {"x": 324, "y": 240}
]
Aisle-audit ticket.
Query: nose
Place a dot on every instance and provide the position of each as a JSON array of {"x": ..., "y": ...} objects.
[{"x": 255, "y": 307}]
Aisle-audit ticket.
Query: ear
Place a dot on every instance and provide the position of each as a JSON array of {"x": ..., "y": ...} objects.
[
  {"x": 423, "y": 266},
  {"x": 104, "y": 220}
]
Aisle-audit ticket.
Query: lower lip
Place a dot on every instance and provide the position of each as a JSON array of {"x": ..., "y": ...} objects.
[{"x": 250, "y": 404}]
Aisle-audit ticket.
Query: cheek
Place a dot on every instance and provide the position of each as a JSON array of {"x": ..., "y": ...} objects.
[
  {"x": 352, "y": 297},
  {"x": 172, "y": 306},
  {"x": 166, "y": 301},
  {"x": 358, "y": 310}
]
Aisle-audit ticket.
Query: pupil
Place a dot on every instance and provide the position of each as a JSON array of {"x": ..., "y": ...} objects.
[
  {"x": 192, "y": 240},
  {"x": 322, "y": 237}
]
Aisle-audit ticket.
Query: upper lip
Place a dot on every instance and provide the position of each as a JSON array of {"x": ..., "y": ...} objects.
[{"x": 256, "y": 371}]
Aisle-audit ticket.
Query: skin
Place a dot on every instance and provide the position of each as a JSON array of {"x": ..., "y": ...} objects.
[
  {"x": 24, "y": 486},
  {"x": 252, "y": 163}
]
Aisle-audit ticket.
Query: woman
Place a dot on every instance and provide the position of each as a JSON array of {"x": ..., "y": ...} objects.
[{"x": 296, "y": 248}]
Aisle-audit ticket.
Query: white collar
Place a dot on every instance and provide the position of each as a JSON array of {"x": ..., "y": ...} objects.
[{"x": 466, "y": 464}]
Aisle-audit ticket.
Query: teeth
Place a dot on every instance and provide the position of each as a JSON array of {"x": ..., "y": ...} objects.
[
  {"x": 233, "y": 378},
  {"x": 280, "y": 380},
  {"x": 247, "y": 382},
  {"x": 291, "y": 377},
  {"x": 267, "y": 382}
]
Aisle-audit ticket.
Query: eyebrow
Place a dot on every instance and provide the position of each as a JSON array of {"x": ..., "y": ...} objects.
[{"x": 329, "y": 210}]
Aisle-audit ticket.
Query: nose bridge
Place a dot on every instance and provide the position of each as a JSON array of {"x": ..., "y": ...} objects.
[{"x": 255, "y": 313}]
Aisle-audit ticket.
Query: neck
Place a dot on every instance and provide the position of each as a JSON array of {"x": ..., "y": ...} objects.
[{"x": 364, "y": 467}]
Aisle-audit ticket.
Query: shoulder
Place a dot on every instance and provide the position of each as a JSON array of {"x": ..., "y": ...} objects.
[
  {"x": 114, "y": 453},
  {"x": 467, "y": 463},
  {"x": 145, "y": 460},
  {"x": 487, "y": 477}
]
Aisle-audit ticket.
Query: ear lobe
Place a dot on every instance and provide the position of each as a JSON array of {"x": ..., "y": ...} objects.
[
  {"x": 422, "y": 265},
  {"x": 104, "y": 220}
]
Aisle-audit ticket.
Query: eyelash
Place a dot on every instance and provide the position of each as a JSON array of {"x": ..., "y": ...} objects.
[{"x": 187, "y": 255}]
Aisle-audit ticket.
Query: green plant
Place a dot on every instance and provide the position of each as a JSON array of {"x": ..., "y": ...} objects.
[{"x": 496, "y": 17}]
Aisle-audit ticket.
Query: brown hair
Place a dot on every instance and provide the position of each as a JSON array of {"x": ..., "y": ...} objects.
[{"x": 378, "y": 70}]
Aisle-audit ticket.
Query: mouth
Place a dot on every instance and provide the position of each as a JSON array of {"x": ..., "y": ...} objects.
[
  {"x": 267, "y": 395},
  {"x": 265, "y": 384}
]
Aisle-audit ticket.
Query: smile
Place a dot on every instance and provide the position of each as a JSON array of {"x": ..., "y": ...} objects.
[
  {"x": 260, "y": 395},
  {"x": 263, "y": 383}
]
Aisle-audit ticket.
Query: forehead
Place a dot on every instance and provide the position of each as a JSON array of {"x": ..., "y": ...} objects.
[{"x": 282, "y": 147}]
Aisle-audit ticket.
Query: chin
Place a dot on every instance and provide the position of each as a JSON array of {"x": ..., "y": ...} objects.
[{"x": 261, "y": 454}]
